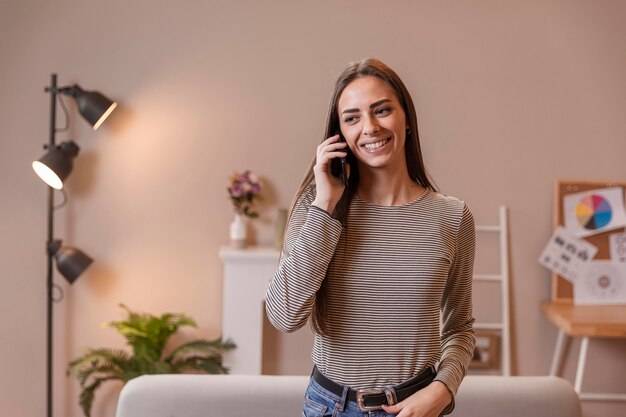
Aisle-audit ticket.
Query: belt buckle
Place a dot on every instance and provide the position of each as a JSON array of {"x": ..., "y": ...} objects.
[{"x": 361, "y": 393}]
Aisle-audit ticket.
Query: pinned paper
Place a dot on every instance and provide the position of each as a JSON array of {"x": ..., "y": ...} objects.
[
  {"x": 594, "y": 211},
  {"x": 567, "y": 255},
  {"x": 602, "y": 282},
  {"x": 617, "y": 246}
]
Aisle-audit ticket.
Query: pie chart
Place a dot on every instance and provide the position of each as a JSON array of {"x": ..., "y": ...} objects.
[{"x": 593, "y": 212}]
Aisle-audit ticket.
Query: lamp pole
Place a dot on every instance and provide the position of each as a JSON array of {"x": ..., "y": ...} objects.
[
  {"x": 53, "y": 168},
  {"x": 50, "y": 284}
]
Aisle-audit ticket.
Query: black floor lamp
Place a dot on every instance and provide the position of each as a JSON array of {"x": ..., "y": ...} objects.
[{"x": 53, "y": 168}]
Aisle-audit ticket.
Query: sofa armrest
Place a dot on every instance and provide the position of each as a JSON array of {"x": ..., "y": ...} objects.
[
  {"x": 212, "y": 395},
  {"x": 518, "y": 396}
]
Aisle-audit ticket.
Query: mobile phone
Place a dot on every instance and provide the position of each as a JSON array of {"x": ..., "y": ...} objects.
[{"x": 338, "y": 166}]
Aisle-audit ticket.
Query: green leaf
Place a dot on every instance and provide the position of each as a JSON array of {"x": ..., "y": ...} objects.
[
  {"x": 198, "y": 363},
  {"x": 202, "y": 347},
  {"x": 87, "y": 395},
  {"x": 97, "y": 359}
]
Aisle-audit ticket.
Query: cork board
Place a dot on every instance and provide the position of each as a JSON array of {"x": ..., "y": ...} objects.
[{"x": 562, "y": 289}]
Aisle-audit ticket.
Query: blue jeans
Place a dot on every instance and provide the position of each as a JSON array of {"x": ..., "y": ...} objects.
[{"x": 319, "y": 402}]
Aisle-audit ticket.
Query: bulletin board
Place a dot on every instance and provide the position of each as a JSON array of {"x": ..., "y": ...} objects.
[{"x": 562, "y": 289}]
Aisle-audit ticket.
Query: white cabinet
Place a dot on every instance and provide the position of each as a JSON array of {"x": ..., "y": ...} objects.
[{"x": 247, "y": 273}]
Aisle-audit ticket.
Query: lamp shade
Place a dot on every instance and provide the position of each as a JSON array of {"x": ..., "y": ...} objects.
[
  {"x": 93, "y": 106},
  {"x": 71, "y": 262},
  {"x": 56, "y": 165}
]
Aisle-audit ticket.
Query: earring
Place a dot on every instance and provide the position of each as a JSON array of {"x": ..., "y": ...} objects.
[{"x": 408, "y": 130}]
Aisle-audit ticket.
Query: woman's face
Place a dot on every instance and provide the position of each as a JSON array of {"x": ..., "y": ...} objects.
[{"x": 373, "y": 123}]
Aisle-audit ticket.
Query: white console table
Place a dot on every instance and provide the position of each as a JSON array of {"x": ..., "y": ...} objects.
[{"x": 247, "y": 273}]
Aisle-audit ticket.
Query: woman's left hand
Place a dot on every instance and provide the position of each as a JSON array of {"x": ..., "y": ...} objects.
[{"x": 427, "y": 402}]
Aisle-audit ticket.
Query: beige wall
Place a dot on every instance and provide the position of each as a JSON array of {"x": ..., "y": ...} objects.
[{"x": 510, "y": 97}]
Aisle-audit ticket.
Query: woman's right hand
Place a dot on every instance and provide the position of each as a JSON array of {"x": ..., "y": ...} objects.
[{"x": 329, "y": 188}]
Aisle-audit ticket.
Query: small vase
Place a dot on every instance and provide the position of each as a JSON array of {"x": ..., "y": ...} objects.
[{"x": 238, "y": 232}]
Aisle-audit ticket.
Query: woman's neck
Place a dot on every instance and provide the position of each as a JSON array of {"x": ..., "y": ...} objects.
[{"x": 385, "y": 188}]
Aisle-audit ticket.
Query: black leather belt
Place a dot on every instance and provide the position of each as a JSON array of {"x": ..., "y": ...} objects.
[{"x": 373, "y": 399}]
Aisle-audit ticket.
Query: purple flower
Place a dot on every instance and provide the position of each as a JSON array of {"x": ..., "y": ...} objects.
[
  {"x": 243, "y": 189},
  {"x": 236, "y": 190}
]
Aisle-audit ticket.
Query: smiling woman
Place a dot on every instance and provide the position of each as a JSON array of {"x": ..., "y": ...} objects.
[{"x": 377, "y": 262}]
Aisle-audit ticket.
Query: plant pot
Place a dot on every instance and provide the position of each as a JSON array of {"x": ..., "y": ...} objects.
[{"x": 238, "y": 231}]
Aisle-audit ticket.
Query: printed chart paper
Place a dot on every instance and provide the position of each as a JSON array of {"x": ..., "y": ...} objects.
[
  {"x": 567, "y": 255},
  {"x": 602, "y": 282},
  {"x": 617, "y": 247},
  {"x": 594, "y": 211}
]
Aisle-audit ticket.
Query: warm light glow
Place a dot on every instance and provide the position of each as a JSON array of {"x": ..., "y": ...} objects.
[
  {"x": 105, "y": 115},
  {"x": 47, "y": 175}
]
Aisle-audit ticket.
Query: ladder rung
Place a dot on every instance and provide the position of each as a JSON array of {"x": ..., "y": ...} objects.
[
  {"x": 488, "y": 228},
  {"x": 488, "y": 277},
  {"x": 488, "y": 326}
]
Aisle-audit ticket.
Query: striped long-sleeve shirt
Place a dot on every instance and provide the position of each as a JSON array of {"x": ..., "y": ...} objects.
[{"x": 399, "y": 288}]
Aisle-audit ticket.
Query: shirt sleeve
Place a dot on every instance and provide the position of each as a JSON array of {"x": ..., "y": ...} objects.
[
  {"x": 310, "y": 242},
  {"x": 457, "y": 336}
]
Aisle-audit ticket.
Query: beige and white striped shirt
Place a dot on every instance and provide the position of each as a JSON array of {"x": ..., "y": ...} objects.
[{"x": 399, "y": 288}]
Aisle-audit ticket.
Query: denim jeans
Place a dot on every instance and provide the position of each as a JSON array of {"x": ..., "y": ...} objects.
[{"x": 319, "y": 402}]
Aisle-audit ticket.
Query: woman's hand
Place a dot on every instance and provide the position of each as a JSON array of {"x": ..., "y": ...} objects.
[
  {"x": 328, "y": 187},
  {"x": 427, "y": 402}
]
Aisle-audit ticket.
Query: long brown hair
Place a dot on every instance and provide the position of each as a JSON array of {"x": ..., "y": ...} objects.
[{"x": 413, "y": 154}]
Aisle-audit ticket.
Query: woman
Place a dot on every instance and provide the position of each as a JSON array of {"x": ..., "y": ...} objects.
[{"x": 377, "y": 263}]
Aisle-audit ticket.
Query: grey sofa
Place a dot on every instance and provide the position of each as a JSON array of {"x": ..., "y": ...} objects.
[{"x": 282, "y": 396}]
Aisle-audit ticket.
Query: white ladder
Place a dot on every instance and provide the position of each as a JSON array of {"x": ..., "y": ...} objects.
[{"x": 503, "y": 278}]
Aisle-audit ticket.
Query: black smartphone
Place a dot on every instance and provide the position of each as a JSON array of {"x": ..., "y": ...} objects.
[{"x": 338, "y": 166}]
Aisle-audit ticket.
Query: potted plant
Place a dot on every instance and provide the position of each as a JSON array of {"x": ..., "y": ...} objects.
[{"x": 147, "y": 336}]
